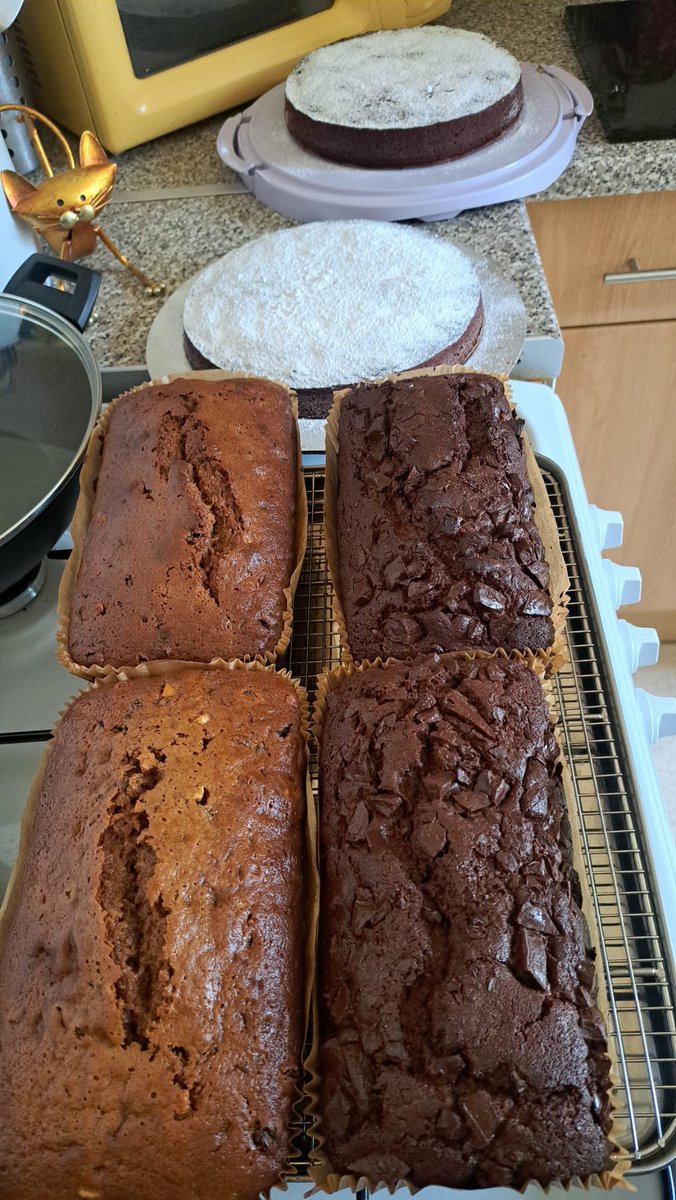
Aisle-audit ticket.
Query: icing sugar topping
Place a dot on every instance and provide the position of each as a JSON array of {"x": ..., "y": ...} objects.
[
  {"x": 402, "y": 78},
  {"x": 332, "y": 302}
]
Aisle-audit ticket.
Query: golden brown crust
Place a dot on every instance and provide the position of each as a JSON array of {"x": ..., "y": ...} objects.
[
  {"x": 190, "y": 546},
  {"x": 154, "y": 945}
]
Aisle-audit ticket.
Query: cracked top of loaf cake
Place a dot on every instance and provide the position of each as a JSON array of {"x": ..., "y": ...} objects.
[
  {"x": 151, "y": 959},
  {"x": 437, "y": 542},
  {"x": 191, "y": 540},
  {"x": 460, "y": 1041}
]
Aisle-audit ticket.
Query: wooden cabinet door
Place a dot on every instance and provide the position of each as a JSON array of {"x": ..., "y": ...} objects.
[
  {"x": 582, "y": 240},
  {"x": 618, "y": 386}
]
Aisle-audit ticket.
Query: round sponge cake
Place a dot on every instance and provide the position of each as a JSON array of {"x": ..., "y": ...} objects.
[
  {"x": 331, "y": 303},
  {"x": 403, "y": 97}
]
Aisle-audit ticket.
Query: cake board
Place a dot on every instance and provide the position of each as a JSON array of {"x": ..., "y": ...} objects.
[{"x": 527, "y": 158}]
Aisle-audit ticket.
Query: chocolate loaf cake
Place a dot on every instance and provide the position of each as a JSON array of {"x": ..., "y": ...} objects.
[
  {"x": 191, "y": 541},
  {"x": 437, "y": 544},
  {"x": 326, "y": 303},
  {"x": 460, "y": 1042},
  {"x": 151, "y": 953},
  {"x": 403, "y": 97}
]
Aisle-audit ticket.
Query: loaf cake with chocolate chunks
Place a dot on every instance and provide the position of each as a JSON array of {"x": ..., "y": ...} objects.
[
  {"x": 437, "y": 544},
  {"x": 191, "y": 541},
  {"x": 151, "y": 952},
  {"x": 460, "y": 1042}
]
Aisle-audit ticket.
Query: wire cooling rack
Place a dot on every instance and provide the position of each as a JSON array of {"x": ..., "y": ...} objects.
[{"x": 639, "y": 974}]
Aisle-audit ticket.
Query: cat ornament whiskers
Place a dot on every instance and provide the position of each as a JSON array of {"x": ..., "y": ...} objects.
[{"x": 63, "y": 208}]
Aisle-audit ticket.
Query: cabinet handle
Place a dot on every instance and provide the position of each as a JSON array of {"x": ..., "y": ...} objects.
[{"x": 636, "y": 275}]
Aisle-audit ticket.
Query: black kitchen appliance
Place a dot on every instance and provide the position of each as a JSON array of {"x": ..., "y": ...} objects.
[{"x": 627, "y": 50}]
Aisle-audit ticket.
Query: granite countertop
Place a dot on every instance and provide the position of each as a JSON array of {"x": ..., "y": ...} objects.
[{"x": 173, "y": 238}]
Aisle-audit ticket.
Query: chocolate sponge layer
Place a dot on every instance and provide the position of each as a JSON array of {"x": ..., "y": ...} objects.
[
  {"x": 314, "y": 403},
  {"x": 418, "y": 146}
]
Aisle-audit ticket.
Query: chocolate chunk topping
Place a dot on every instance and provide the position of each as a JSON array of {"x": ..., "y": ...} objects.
[
  {"x": 532, "y": 916},
  {"x": 531, "y": 958},
  {"x": 460, "y": 1043}
]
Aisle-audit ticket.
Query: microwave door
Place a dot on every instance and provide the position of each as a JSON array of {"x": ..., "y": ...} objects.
[{"x": 165, "y": 33}]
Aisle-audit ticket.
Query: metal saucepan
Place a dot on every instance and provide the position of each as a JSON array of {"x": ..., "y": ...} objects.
[{"x": 50, "y": 397}]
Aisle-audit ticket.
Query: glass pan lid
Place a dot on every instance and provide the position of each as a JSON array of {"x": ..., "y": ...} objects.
[{"x": 50, "y": 394}]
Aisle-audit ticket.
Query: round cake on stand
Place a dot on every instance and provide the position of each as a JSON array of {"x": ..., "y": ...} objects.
[
  {"x": 327, "y": 304},
  {"x": 403, "y": 97}
]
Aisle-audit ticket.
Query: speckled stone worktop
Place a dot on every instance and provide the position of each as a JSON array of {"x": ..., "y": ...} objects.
[{"x": 173, "y": 238}]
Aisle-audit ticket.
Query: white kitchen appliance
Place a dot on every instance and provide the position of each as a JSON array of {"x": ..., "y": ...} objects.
[
  {"x": 17, "y": 240},
  {"x": 606, "y": 726}
]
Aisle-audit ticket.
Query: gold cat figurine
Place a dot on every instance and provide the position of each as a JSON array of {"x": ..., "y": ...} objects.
[{"x": 63, "y": 208}]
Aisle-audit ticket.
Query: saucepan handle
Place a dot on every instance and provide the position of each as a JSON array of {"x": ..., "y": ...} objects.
[{"x": 38, "y": 278}]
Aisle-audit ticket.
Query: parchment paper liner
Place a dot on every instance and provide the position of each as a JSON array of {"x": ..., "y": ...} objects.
[
  {"x": 555, "y": 655},
  {"x": 83, "y": 514},
  {"x": 162, "y": 669},
  {"x": 320, "y": 1172}
]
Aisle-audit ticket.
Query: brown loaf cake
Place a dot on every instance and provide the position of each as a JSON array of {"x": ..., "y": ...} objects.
[
  {"x": 460, "y": 1042},
  {"x": 191, "y": 541},
  {"x": 151, "y": 953},
  {"x": 403, "y": 97},
  {"x": 437, "y": 543}
]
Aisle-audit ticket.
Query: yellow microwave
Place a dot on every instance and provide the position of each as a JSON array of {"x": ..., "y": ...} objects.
[{"x": 131, "y": 70}]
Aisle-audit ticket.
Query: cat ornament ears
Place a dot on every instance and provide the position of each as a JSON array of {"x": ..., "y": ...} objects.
[{"x": 63, "y": 208}]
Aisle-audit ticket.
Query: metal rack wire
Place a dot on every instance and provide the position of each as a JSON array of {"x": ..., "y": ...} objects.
[{"x": 639, "y": 975}]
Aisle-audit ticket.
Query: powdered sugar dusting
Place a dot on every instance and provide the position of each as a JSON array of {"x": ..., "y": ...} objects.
[
  {"x": 402, "y": 78},
  {"x": 332, "y": 302}
]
